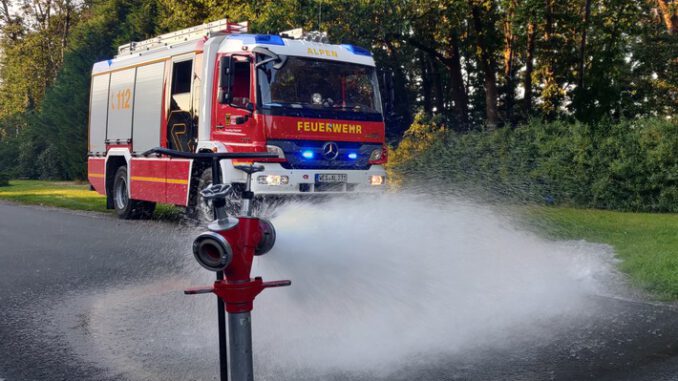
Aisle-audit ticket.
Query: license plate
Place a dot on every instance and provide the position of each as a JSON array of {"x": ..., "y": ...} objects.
[{"x": 331, "y": 178}]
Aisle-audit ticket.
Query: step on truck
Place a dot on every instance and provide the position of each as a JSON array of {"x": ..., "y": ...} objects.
[{"x": 217, "y": 88}]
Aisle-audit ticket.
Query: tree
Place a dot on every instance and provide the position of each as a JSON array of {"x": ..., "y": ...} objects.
[
  {"x": 483, "y": 22},
  {"x": 669, "y": 12},
  {"x": 508, "y": 55},
  {"x": 582, "y": 44},
  {"x": 463, "y": 63},
  {"x": 529, "y": 66},
  {"x": 30, "y": 36}
]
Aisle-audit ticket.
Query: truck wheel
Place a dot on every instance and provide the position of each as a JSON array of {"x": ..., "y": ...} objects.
[
  {"x": 125, "y": 207},
  {"x": 201, "y": 210}
]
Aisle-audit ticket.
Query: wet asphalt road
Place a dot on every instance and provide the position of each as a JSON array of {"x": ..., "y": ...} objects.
[
  {"x": 49, "y": 255},
  {"x": 46, "y": 254}
]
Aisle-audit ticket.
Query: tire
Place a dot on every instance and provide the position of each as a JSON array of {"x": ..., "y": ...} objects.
[
  {"x": 125, "y": 207},
  {"x": 201, "y": 211}
]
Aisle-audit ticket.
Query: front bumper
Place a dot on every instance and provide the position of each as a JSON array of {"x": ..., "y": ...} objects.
[{"x": 302, "y": 181}]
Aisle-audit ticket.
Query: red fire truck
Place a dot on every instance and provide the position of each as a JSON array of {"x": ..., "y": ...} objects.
[{"x": 217, "y": 88}]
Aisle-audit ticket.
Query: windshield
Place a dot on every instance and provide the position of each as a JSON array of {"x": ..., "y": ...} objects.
[{"x": 320, "y": 85}]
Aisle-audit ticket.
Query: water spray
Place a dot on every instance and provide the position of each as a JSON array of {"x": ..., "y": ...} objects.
[{"x": 228, "y": 248}]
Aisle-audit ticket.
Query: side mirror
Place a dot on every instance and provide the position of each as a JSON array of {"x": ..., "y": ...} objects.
[
  {"x": 225, "y": 95},
  {"x": 272, "y": 57}
]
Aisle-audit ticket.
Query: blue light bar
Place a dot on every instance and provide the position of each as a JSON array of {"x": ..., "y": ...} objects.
[
  {"x": 352, "y": 155},
  {"x": 307, "y": 154},
  {"x": 358, "y": 50},
  {"x": 269, "y": 39},
  {"x": 248, "y": 39}
]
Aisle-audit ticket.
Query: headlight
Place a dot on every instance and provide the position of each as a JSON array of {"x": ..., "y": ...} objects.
[
  {"x": 273, "y": 180},
  {"x": 377, "y": 154},
  {"x": 276, "y": 150},
  {"x": 377, "y": 180}
]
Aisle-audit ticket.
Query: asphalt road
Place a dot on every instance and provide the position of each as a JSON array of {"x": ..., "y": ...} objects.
[{"x": 84, "y": 296}]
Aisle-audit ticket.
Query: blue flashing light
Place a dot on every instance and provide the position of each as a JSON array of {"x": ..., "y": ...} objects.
[
  {"x": 269, "y": 39},
  {"x": 352, "y": 155},
  {"x": 307, "y": 154},
  {"x": 358, "y": 50},
  {"x": 248, "y": 39},
  {"x": 245, "y": 38}
]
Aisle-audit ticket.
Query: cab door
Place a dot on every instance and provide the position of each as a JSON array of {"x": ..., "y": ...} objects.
[
  {"x": 181, "y": 124},
  {"x": 232, "y": 122}
]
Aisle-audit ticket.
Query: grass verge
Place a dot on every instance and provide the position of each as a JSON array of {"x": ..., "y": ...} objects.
[
  {"x": 647, "y": 243},
  {"x": 70, "y": 195}
]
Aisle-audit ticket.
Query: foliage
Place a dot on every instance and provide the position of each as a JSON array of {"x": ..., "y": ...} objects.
[
  {"x": 626, "y": 165},
  {"x": 466, "y": 65},
  {"x": 33, "y": 46},
  {"x": 52, "y": 136},
  {"x": 65, "y": 108}
]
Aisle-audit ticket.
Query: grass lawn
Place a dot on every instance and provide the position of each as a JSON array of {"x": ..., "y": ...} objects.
[
  {"x": 51, "y": 193},
  {"x": 71, "y": 195},
  {"x": 646, "y": 242}
]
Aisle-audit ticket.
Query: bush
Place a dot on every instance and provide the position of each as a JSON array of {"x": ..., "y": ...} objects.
[
  {"x": 628, "y": 165},
  {"x": 4, "y": 179}
]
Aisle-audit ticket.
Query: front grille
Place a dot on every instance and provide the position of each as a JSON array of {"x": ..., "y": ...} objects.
[{"x": 294, "y": 148}]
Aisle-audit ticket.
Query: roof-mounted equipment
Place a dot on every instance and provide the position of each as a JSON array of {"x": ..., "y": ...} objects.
[
  {"x": 184, "y": 35},
  {"x": 299, "y": 34}
]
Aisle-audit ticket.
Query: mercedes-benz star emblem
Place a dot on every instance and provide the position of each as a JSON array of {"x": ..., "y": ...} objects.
[{"x": 330, "y": 150}]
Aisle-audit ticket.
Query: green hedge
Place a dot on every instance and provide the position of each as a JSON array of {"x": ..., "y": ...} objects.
[
  {"x": 4, "y": 179},
  {"x": 628, "y": 165}
]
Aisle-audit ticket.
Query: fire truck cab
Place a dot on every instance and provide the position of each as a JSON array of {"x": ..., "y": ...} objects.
[{"x": 217, "y": 88}]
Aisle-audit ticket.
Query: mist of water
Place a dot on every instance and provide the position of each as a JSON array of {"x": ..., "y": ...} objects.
[{"x": 379, "y": 283}]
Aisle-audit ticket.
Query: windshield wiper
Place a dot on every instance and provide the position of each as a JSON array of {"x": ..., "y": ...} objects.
[{"x": 355, "y": 108}]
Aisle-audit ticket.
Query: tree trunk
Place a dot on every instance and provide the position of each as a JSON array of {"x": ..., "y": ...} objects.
[
  {"x": 5, "y": 10},
  {"x": 48, "y": 13},
  {"x": 437, "y": 86},
  {"x": 582, "y": 45},
  {"x": 548, "y": 22},
  {"x": 509, "y": 38},
  {"x": 425, "y": 83},
  {"x": 529, "y": 67},
  {"x": 453, "y": 63},
  {"x": 458, "y": 89},
  {"x": 488, "y": 65},
  {"x": 400, "y": 99},
  {"x": 13, "y": 35},
  {"x": 67, "y": 27},
  {"x": 550, "y": 89},
  {"x": 671, "y": 20}
]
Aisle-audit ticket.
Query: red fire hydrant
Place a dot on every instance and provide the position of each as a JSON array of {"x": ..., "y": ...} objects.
[{"x": 228, "y": 248}]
